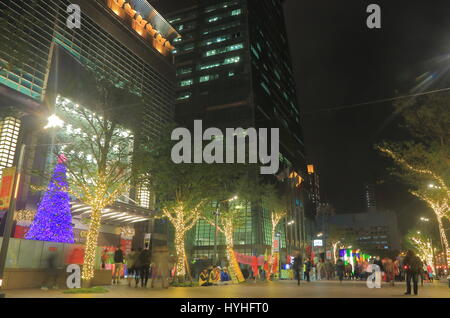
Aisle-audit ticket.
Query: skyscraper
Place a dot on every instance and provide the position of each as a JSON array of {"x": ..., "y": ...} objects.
[{"x": 234, "y": 70}]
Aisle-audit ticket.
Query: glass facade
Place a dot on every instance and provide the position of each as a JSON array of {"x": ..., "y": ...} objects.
[
  {"x": 93, "y": 45},
  {"x": 243, "y": 78}
]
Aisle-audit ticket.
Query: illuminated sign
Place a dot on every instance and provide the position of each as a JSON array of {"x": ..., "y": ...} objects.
[{"x": 318, "y": 243}]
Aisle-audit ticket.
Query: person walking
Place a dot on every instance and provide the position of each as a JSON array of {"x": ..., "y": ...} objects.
[
  {"x": 307, "y": 269},
  {"x": 389, "y": 269},
  {"x": 297, "y": 266},
  {"x": 104, "y": 258},
  {"x": 51, "y": 277},
  {"x": 144, "y": 260},
  {"x": 413, "y": 266},
  {"x": 118, "y": 264},
  {"x": 430, "y": 273},
  {"x": 329, "y": 269},
  {"x": 340, "y": 269},
  {"x": 131, "y": 265}
]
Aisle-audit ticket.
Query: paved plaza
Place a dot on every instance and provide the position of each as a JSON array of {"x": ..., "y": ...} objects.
[{"x": 281, "y": 289}]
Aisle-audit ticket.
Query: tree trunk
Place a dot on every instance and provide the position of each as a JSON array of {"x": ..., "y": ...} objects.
[
  {"x": 181, "y": 255},
  {"x": 91, "y": 245},
  {"x": 444, "y": 240},
  {"x": 233, "y": 266}
]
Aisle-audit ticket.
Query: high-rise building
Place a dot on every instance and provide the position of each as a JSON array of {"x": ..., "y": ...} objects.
[
  {"x": 375, "y": 232},
  {"x": 129, "y": 39},
  {"x": 234, "y": 70},
  {"x": 370, "y": 196}
]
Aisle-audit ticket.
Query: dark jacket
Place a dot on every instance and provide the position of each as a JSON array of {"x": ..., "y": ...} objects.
[
  {"x": 297, "y": 263},
  {"x": 340, "y": 267},
  {"x": 308, "y": 266},
  {"x": 144, "y": 258},
  {"x": 413, "y": 264},
  {"x": 118, "y": 256}
]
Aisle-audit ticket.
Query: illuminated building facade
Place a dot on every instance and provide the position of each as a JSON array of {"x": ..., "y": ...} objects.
[
  {"x": 234, "y": 70},
  {"x": 127, "y": 38}
]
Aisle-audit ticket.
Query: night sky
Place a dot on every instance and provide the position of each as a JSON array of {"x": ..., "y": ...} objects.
[{"x": 338, "y": 61}]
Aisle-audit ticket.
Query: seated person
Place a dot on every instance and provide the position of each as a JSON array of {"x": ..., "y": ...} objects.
[
  {"x": 224, "y": 276},
  {"x": 214, "y": 276},
  {"x": 203, "y": 279}
]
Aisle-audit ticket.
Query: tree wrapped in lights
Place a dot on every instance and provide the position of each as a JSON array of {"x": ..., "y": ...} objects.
[
  {"x": 181, "y": 191},
  {"x": 53, "y": 220},
  {"x": 425, "y": 163},
  {"x": 236, "y": 188},
  {"x": 99, "y": 146},
  {"x": 339, "y": 238},
  {"x": 422, "y": 245},
  {"x": 228, "y": 220}
]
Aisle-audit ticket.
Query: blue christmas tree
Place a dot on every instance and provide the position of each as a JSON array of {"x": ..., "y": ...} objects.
[{"x": 53, "y": 221}]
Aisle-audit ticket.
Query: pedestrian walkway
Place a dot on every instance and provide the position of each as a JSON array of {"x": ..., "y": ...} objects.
[{"x": 280, "y": 289}]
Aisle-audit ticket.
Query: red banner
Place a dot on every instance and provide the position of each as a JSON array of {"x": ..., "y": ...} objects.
[
  {"x": 20, "y": 231},
  {"x": 249, "y": 260},
  {"x": 6, "y": 187}
]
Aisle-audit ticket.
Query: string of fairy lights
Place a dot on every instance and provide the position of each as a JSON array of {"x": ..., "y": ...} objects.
[{"x": 439, "y": 206}]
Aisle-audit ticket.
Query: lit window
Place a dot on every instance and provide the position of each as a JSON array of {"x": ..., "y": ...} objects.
[
  {"x": 265, "y": 87},
  {"x": 175, "y": 20},
  {"x": 143, "y": 196},
  {"x": 229, "y": 60},
  {"x": 187, "y": 82},
  {"x": 236, "y": 12},
  {"x": 254, "y": 52},
  {"x": 207, "y": 78},
  {"x": 213, "y": 19},
  {"x": 184, "y": 70},
  {"x": 230, "y": 48},
  {"x": 232, "y": 60},
  {"x": 184, "y": 96}
]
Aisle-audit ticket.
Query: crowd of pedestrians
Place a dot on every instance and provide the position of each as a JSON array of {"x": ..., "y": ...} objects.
[
  {"x": 141, "y": 265},
  {"x": 408, "y": 268}
]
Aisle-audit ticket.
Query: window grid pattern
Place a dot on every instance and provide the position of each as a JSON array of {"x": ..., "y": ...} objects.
[
  {"x": 143, "y": 196},
  {"x": 9, "y": 135},
  {"x": 91, "y": 44}
]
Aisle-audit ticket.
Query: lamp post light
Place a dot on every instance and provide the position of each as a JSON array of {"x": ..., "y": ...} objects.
[
  {"x": 216, "y": 220},
  {"x": 53, "y": 122}
]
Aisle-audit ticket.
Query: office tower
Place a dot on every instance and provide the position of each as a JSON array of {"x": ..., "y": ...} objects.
[{"x": 234, "y": 70}]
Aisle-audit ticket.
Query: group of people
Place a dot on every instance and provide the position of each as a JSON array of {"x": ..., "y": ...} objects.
[
  {"x": 409, "y": 268},
  {"x": 140, "y": 266},
  {"x": 214, "y": 276}
]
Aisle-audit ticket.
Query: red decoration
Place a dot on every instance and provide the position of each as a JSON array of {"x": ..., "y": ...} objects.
[{"x": 62, "y": 158}]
